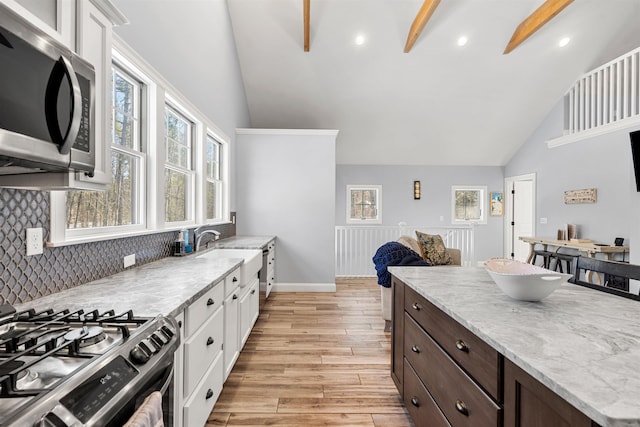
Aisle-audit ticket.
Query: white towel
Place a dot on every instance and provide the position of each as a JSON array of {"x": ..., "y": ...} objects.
[{"x": 149, "y": 414}]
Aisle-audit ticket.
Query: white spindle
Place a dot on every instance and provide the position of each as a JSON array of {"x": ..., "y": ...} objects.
[
  {"x": 572, "y": 119},
  {"x": 635, "y": 77},
  {"x": 626, "y": 86},
  {"x": 619, "y": 66},
  {"x": 600, "y": 97}
]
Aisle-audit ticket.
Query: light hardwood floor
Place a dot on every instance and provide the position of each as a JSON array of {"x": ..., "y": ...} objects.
[{"x": 315, "y": 359}]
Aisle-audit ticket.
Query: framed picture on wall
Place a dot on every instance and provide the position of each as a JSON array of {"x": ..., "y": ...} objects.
[{"x": 496, "y": 204}]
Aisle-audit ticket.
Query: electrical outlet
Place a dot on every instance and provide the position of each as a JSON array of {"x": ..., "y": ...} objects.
[
  {"x": 543, "y": 220},
  {"x": 129, "y": 260},
  {"x": 34, "y": 241}
]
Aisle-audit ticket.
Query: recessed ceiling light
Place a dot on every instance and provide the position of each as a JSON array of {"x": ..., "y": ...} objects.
[
  {"x": 360, "y": 39},
  {"x": 564, "y": 41},
  {"x": 462, "y": 40}
]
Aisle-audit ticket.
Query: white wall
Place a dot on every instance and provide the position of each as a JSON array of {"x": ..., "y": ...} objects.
[
  {"x": 602, "y": 162},
  {"x": 168, "y": 34},
  {"x": 286, "y": 188},
  {"x": 435, "y": 202}
]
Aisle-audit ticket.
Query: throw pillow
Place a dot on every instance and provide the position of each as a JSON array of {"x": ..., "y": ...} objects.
[{"x": 432, "y": 249}]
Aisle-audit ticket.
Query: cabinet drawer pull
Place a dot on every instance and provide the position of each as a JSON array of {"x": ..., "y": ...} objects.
[
  {"x": 235, "y": 296},
  {"x": 209, "y": 394},
  {"x": 209, "y": 341},
  {"x": 462, "y": 408},
  {"x": 210, "y": 301},
  {"x": 253, "y": 291},
  {"x": 416, "y": 306},
  {"x": 462, "y": 346},
  {"x": 415, "y": 349},
  {"x": 179, "y": 323},
  {"x": 414, "y": 402},
  {"x": 235, "y": 279}
]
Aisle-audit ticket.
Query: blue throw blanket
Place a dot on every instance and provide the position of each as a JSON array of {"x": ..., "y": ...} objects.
[{"x": 394, "y": 253}]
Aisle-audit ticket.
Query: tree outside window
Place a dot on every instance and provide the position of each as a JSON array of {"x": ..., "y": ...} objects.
[
  {"x": 468, "y": 204},
  {"x": 214, "y": 182},
  {"x": 364, "y": 204},
  {"x": 178, "y": 168},
  {"x": 120, "y": 205}
]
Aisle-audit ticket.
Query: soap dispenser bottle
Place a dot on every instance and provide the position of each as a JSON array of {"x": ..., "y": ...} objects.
[{"x": 179, "y": 245}]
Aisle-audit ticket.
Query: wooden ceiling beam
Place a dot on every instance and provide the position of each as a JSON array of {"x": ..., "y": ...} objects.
[
  {"x": 547, "y": 11},
  {"x": 423, "y": 16},
  {"x": 306, "y": 14}
]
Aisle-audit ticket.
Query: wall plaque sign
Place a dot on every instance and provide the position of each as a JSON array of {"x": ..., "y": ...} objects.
[{"x": 572, "y": 197}]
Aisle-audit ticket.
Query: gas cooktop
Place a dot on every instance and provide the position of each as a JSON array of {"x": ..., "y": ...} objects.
[{"x": 77, "y": 367}]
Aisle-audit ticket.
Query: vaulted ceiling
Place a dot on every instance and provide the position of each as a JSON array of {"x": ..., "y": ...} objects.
[{"x": 438, "y": 103}]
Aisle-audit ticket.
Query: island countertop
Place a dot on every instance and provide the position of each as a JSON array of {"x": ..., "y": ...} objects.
[
  {"x": 164, "y": 287},
  {"x": 582, "y": 344}
]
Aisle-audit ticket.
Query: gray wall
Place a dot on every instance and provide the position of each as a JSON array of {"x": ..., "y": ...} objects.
[
  {"x": 436, "y": 181},
  {"x": 602, "y": 162},
  {"x": 169, "y": 34},
  {"x": 286, "y": 188}
]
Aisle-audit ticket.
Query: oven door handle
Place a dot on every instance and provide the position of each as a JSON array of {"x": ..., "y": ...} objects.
[{"x": 167, "y": 382}]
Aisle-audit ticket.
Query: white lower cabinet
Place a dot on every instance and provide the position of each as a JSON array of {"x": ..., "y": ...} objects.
[
  {"x": 268, "y": 271},
  {"x": 201, "y": 349},
  {"x": 213, "y": 330},
  {"x": 199, "y": 405},
  {"x": 249, "y": 307},
  {"x": 231, "y": 329}
]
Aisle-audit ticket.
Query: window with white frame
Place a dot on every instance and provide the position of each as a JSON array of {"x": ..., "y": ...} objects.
[
  {"x": 179, "y": 172},
  {"x": 130, "y": 205},
  {"x": 213, "y": 194},
  {"x": 468, "y": 204},
  {"x": 121, "y": 205},
  {"x": 364, "y": 204}
]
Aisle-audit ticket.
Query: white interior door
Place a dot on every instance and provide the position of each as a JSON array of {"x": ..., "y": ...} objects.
[{"x": 520, "y": 215}]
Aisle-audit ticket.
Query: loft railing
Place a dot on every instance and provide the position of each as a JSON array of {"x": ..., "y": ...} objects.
[
  {"x": 603, "y": 99},
  {"x": 356, "y": 245}
]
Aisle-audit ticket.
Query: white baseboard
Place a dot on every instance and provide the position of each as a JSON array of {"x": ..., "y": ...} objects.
[{"x": 303, "y": 287}]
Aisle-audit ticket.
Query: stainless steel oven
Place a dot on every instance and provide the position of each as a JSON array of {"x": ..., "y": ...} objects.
[{"x": 81, "y": 368}]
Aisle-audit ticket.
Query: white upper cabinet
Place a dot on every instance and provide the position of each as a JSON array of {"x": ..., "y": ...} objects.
[{"x": 55, "y": 17}]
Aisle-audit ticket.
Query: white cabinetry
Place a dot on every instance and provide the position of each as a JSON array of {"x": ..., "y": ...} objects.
[
  {"x": 213, "y": 330},
  {"x": 202, "y": 358},
  {"x": 267, "y": 273},
  {"x": 249, "y": 307},
  {"x": 54, "y": 17},
  {"x": 231, "y": 326}
]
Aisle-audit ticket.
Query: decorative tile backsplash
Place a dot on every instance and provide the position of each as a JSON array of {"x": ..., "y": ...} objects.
[{"x": 24, "y": 278}]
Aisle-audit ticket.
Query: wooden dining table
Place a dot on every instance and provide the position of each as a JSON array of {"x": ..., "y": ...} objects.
[{"x": 588, "y": 248}]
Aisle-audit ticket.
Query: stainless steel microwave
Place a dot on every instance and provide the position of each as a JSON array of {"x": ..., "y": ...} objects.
[{"x": 46, "y": 102}]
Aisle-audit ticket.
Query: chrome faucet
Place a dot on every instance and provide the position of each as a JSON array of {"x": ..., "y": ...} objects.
[{"x": 198, "y": 236}]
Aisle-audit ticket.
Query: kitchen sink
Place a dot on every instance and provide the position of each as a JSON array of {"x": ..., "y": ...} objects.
[{"x": 252, "y": 260}]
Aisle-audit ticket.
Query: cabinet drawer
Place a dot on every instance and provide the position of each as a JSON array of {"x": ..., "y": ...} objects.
[
  {"x": 203, "y": 308},
  {"x": 231, "y": 282},
  {"x": 459, "y": 397},
  {"x": 419, "y": 402},
  {"x": 475, "y": 356},
  {"x": 201, "y": 349},
  {"x": 200, "y": 404}
]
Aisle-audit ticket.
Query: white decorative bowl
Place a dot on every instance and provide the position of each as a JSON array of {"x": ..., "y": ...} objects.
[{"x": 522, "y": 281}]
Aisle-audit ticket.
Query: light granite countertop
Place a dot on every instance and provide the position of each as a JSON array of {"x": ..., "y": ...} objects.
[
  {"x": 582, "y": 344},
  {"x": 164, "y": 287},
  {"x": 244, "y": 242}
]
